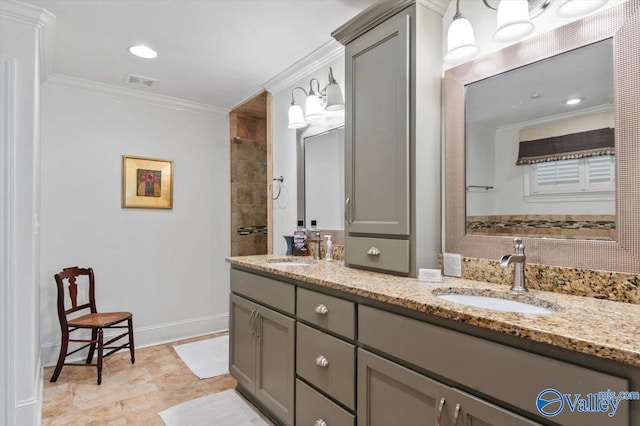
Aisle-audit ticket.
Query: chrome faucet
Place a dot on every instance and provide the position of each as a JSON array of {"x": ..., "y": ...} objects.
[{"x": 518, "y": 258}]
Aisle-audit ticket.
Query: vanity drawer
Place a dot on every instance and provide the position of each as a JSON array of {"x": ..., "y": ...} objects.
[
  {"x": 313, "y": 408},
  {"x": 328, "y": 312},
  {"x": 508, "y": 374},
  {"x": 337, "y": 376},
  {"x": 393, "y": 255},
  {"x": 264, "y": 290}
]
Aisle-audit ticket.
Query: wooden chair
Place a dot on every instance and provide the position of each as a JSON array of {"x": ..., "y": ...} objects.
[{"x": 94, "y": 321}]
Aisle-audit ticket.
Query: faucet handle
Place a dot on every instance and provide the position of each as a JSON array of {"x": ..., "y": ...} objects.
[{"x": 518, "y": 245}]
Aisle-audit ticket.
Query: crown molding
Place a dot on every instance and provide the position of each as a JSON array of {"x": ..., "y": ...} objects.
[
  {"x": 40, "y": 19},
  {"x": 25, "y": 13},
  {"x": 311, "y": 63},
  {"x": 88, "y": 86},
  {"x": 438, "y": 6},
  {"x": 598, "y": 109}
]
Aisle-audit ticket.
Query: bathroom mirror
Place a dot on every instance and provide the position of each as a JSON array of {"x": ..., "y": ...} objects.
[
  {"x": 620, "y": 24},
  {"x": 321, "y": 178},
  {"x": 562, "y": 184}
]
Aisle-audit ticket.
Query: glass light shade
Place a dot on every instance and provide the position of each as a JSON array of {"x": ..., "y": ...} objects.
[
  {"x": 335, "y": 100},
  {"x": 296, "y": 117},
  {"x": 575, "y": 8},
  {"x": 313, "y": 107},
  {"x": 461, "y": 43},
  {"x": 513, "y": 20}
]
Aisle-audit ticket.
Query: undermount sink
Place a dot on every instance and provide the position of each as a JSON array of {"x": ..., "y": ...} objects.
[
  {"x": 496, "y": 303},
  {"x": 288, "y": 262}
]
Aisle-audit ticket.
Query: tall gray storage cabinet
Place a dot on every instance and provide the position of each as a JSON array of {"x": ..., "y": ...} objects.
[{"x": 393, "y": 75}]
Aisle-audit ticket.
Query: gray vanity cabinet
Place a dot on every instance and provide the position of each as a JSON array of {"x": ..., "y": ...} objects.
[
  {"x": 389, "y": 394},
  {"x": 262, "y": 345},
  {"x": 393, "y": 394},
  {"x": 392, "y": 137},
  {"x": 377, "y": 137}
]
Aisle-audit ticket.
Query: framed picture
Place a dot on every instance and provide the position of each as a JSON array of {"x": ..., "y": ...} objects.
[{"x": 147, "y": 183}]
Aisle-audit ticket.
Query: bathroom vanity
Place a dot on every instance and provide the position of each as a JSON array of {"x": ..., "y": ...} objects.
[{"x": 328, "y": 345}]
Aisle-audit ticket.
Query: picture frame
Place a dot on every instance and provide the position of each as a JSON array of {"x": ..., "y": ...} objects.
[{"x": 147, "y": 183}]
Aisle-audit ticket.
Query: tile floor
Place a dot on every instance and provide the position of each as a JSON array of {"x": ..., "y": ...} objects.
[{"x": 130, "y": 394}]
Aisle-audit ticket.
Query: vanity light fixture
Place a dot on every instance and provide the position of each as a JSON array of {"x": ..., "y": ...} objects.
[
  {"x": 513, "y": 23},
  {"x": 142, "y": 51},
  {"x": 331, "y": 96}
]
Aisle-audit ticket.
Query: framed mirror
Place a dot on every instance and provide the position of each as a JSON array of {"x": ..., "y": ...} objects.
[
  {"x": 540, "y": 161},
  {"x": 618, "y": 27},
  {"x": 320, "y": 161}
]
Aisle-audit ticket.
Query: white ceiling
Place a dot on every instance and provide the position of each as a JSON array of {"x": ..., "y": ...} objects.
[
  {"x": 215, "y": 52},
  {"x": 508, "y": 98}
]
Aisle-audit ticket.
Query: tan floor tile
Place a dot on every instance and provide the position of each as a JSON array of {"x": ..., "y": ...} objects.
[
  {"x": 217, "y": 384},
  {"x": 130, "y": 394},
  {"x": 57, "y": 400},
  {"x": 110, "y": 414},
  {"x": 120, "y": 386},
  {"x": 143, "y": 418}
]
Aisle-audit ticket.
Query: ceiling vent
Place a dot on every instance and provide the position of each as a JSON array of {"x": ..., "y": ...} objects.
[{"x": 138, "y": 79}]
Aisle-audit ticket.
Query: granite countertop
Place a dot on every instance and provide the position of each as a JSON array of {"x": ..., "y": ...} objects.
[{"x": 602, "y": 328}]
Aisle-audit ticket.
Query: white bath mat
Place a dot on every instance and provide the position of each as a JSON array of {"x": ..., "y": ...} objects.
[
  {"x": 206, "y": 358},
  {"x": 224, "y": 409}
]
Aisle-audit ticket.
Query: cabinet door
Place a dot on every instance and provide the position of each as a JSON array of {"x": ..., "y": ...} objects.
[
  {"x": 242, "y": 346},
  {"x": 377, "y": 131},
  {"x": 275, "y": 371},
  {"x": 476, "y": 412},
  {"x": 389, "y": 394}
]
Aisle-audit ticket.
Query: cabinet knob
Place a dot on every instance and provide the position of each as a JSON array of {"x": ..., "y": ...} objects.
[
  {"x": 320, "y": 422},
  {"x": 373, "y": 251},
  {"x": 321, "y": 309},
  {"x": 321, "y": 361}
]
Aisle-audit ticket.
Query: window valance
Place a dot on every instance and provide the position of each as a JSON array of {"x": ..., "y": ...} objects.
[{"x": 591, "y": 143}]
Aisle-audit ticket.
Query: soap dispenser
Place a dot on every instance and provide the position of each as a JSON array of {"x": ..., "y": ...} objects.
[{"x": 329, "y": 244}]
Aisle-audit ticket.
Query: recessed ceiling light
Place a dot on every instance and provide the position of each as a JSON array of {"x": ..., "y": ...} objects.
[
  {"x": 535, "y": 96},
  {"x": 143, "y": 51},
  {"x": 573, "y": 101}
]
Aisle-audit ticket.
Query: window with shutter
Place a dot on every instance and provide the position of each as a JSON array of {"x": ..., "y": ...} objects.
[{"x": 586, "y": 176}]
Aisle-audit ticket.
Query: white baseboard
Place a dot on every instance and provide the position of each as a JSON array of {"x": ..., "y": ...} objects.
[{"x": 153, "y": 335}]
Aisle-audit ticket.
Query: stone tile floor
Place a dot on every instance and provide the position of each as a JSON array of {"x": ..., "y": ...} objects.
[{"x": 130, "y": 394}]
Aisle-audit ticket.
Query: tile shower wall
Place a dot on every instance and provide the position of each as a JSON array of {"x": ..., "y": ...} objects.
[{"x": 248, "y": 185}]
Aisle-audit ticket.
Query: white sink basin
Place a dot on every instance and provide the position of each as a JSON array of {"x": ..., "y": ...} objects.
[{"x": 496, "y": 304}]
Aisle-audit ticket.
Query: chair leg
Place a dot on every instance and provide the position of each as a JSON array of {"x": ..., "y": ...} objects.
[
  {"x": 92, "y": 348},
  {"x": 61, "y": 357},
  {"x": 100, "y": 347},
  {"x": 131, "y": 346}
]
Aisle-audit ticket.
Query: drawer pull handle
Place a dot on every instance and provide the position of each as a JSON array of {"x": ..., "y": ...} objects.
[
  {"x": 320, "y": 422},
  {"x": 321, "y": 361},
  {"x": 373, "y": 251},
  {"x": 455, "y": 415},
  {"x": 346, "y": 211},
  {"x": 321, "y": 309},
  {"x": 251, "y": 323},
  {"x": 439, "y": 416}
]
